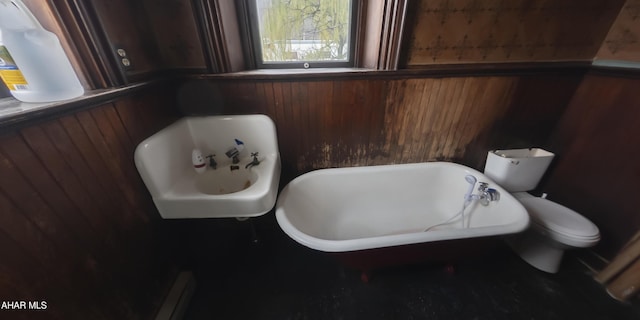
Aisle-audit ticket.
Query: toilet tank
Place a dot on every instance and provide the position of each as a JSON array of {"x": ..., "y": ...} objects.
[{"x": 517, "y": 169}]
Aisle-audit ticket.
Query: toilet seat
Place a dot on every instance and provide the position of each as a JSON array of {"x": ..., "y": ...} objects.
[{"x": 560, "y": 222}]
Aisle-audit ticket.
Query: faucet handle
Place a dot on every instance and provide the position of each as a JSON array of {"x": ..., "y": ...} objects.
[
  {"x": 482, "y": 186},
  {"x": 212, "y": 162},
  {"x": 493, "y": 194},
  {"x": 253, "y": 162}
]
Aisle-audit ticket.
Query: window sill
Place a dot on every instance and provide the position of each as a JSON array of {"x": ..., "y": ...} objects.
[
  {"x": 431, "y": 71},
  {"x": 292, "y": 74},
  {"x": 14, "y": 112},
  {"x": 301, "y": 71}
]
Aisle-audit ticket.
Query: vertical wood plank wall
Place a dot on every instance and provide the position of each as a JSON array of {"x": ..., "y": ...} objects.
[
  {"x": 596, "y": 170},
  {"x": 77, "y": 226},
  {"x": 372, "y": 121}
]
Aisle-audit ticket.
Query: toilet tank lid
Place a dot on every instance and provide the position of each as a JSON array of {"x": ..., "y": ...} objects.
[
  {"x": 558, "y": 218},
  {"x": 523, "y": 153}
]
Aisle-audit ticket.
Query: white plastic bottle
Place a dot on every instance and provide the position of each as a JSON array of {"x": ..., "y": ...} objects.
[{"x": 47, "y": 74}]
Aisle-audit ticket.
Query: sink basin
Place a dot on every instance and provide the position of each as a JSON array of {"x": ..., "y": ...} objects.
[
  {"x": 225, "y": 182},
  {"x": 164, "y": 162}
]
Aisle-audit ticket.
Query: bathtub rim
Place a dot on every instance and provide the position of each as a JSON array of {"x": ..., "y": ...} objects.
[{"x": 328, "y": 245}]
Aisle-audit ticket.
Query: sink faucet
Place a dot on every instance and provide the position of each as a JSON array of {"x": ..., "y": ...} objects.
[
  {"x": 254, "y": 162},
  {"x": 212, "y": 162},
  {"x": 234, "y": 155},
  {"x": 234, "y": 152}
]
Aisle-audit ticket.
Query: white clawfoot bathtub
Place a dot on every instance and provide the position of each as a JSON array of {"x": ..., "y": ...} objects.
[{"x": 366, "y": 208}]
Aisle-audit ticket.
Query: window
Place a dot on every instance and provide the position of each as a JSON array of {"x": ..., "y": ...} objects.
[{"x": 303, "y": 33}]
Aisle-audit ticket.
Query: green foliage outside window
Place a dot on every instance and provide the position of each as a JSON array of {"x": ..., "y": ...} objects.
[{"x": 304, "y": 30}]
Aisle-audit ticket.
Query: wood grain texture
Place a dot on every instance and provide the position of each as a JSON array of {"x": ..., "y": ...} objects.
[
  {"x": 77, "y": 227},
  {"x": 356, "y": 122},
  {"x": 176, "y": 32},
  {"x": 474, "y": 31},
  {"x": 126, "y": 26},
  {"x": 596, "y": 168},
  {"x": 623, "y": 40},
  {"x": 626, "y": 285},
  {"x": 370, "y": 37},
  {"x": 628, "y": 254}
]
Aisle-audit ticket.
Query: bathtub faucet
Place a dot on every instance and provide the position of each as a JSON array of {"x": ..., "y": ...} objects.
[{"x": 487, "y": 195}]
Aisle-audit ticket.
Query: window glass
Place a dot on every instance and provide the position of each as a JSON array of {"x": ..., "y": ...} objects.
[{"x": 296, "y": 31}]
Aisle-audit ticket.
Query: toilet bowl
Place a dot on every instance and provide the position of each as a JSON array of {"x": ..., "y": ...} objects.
[{"x": 554, "y": 228}]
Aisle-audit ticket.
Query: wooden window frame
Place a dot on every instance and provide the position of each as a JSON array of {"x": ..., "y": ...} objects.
[
  {"x": 85, "y": 42},
  {"x": 56, "y": 17},
  {"x": 379, "y": 32},
  {"x": 83, "y": 39},
  {"x": 224, "y": 26}
]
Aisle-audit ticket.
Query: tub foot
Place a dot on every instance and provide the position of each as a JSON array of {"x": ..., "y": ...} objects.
[{"x": 365, "y": 276}]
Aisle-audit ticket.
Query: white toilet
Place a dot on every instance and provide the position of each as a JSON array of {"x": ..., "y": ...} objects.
[{"x": 554, "y": 228}]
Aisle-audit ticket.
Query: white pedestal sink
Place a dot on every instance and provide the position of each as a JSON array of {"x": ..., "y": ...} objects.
[{"x": 165, "y": 165}]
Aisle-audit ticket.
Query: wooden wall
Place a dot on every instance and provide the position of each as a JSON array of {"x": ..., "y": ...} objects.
[
  {"x": 473, "y": 31},
  {"x": 127, "y": 26},
  {"x": 78, "y": 228},
  {"x": 175, "y": 28},
  {"x": 597, "y": 167},
  {"x": 623, "y": 40},
  {"x": 436, "y": 32},
  {"x": 356, "y": 122}
]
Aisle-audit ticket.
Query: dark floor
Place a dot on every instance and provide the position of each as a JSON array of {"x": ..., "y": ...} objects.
[{"x": 280, "y": 279}]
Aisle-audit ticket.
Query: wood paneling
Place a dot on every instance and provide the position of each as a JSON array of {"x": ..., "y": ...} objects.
[
  {"x": 176, "y": 33},
  {"x": 77, "y": 227},
  {"x": 597, "y": 166},
  {"x": 372, "y": 12},
  {"x": 623, "y": 40},
  {"x": 356, "y": 122},
  {"x": 394, "y": 20},
  {"x": 474, "y": 31},
  {"x": 126, "y": 26}
]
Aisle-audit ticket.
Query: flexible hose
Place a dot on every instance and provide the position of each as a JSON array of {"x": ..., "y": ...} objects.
[{"x": 450, "y": 220}]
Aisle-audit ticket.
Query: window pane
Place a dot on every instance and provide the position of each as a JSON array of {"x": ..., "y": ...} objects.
[{"x": 304, "y": 30}]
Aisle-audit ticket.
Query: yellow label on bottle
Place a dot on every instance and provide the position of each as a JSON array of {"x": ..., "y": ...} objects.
[{"x": 10, "y": 73}]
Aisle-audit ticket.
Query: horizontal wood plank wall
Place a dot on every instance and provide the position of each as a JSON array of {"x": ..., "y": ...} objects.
[
  {"x": 359, "y": 122},
  {"x": 597, "y": 166},
  {"x": 77, "y": 226}
]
